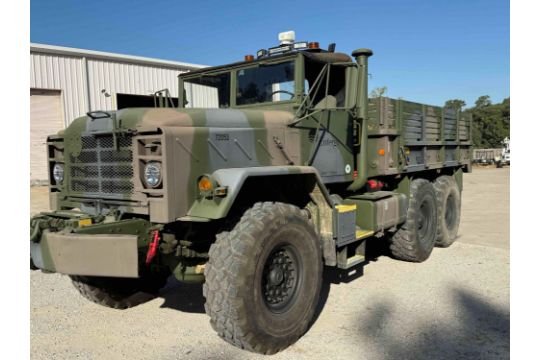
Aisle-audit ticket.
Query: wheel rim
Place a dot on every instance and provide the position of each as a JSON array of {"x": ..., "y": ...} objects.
[
  {"x": 280, "y": 278},
  {"x": 424, "y": 218},
  {"x": 450, "y": 212}
]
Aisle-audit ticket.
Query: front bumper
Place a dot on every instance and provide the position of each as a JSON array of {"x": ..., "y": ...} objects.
[
  {"x": 73, "y": 243},
  {"x": 83, "y": 254}
]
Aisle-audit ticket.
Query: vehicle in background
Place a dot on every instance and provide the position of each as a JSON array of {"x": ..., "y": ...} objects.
[
  {"x": 504, "y": 158},
  {"x": 486, "y": 156}
]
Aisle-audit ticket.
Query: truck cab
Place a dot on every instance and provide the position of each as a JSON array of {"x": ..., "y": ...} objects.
[{"x": 316, "y": 86}]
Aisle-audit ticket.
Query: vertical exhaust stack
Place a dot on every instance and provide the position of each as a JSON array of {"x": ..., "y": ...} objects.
[{"x": 361, "y": 56}]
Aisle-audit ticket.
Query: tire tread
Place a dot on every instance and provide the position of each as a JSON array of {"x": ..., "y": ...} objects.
[
  {"x": 224, "y": 277},
  {"x": 110, "y": 294},
  {"x": 403, "y": 243},
  {"x": 442, "y": 185}
]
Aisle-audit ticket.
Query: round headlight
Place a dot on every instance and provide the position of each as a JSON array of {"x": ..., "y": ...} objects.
[
  {"x": 58, "y": 173},
  {"x": 152, "y": 174}
]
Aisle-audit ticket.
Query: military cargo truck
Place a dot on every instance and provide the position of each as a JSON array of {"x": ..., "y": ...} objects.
[
  {"x": 290, "y": 167},
  {"x": 486, "y": 156}
]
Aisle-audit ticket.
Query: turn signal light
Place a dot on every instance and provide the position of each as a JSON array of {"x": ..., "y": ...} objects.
[
  {"x": 249, "y": 58},
  {"x": 381, "y": 152},
  {"x": 205, "y": 184},
  {"x": 313, "y": 45}
]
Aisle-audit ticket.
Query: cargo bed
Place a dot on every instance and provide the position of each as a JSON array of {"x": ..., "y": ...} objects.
[{"x": 405, "y": 136}]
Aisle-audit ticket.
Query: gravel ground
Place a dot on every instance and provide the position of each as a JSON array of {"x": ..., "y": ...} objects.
[{"x": 456, "y": 305}]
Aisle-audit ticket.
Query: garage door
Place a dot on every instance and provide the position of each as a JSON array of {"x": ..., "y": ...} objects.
[{"x": 45, "y": 119}]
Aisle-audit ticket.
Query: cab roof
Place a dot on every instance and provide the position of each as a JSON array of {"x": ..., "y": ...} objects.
[{"x": 318, "y": 55}]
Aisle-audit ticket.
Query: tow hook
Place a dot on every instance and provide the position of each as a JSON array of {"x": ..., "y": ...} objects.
[
  {"x": 152, "y": 248},
  {"x": 36, "y": 230}
]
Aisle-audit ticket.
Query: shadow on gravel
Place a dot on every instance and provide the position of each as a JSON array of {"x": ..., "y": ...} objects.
[
  {"x": 332, "y": 275},
  {"x": 189, "y": 297},
  {"x": 375, "y": 248},
  {"x": 479, "y": 331},
  {"x": 182, "y": 297}
]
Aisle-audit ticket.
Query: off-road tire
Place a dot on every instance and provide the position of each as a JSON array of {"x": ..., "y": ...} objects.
[
  {"x": 119, "y": 293},
  {"x": 449, "y": 210},
  {"x": 236, "y": 274},
  {"x": 415, "y": 239}
]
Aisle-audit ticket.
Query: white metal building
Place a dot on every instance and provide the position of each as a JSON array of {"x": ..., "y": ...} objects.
[{"x": 65, "y": 83}]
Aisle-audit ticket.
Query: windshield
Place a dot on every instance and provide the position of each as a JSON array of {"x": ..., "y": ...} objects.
[
  {"x": 265, "y": 83},
  {"x": 208, "y": 91}
]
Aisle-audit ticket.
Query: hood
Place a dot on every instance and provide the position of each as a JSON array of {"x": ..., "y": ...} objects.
[{"x": 152, "y": 119}]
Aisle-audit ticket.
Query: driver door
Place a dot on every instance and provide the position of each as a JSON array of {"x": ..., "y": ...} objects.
[{"x": 331, "y": 128}]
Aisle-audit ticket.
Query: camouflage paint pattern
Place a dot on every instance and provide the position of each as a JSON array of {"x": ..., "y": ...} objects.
[{"x": 194, "y": 142}]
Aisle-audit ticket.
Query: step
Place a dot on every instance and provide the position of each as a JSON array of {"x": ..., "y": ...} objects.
[
  {"x": 362, "y": 233},
  {"x": 352, "y": 261}
]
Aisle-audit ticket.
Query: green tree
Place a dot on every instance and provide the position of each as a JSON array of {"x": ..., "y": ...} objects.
[
  {"x": 455, "y": 103},
  {"x": 379, "y": 91},
  {"x": 491, "y": 122},
  {"x": 482, "y": 102}
]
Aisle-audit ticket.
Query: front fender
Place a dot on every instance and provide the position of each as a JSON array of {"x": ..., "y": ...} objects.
[{"x": 204, "y": 209}]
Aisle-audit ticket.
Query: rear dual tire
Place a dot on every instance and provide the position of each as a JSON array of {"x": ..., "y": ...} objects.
[
  {"x": 415, "y": 239},
  {"x": 449, "y": 210},
  {"x": 432, "y": 219}
]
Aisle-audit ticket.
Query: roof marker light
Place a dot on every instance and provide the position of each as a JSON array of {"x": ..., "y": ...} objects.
[{"x": 286, "y": 38}]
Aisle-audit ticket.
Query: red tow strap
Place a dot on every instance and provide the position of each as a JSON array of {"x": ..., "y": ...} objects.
[{"x": 152, "y": 249}]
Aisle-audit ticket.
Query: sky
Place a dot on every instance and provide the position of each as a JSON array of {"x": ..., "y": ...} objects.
[{"x": 425, "y": 51}]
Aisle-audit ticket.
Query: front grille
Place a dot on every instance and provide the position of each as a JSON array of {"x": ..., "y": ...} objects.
[{"x": 101, "y": 169}]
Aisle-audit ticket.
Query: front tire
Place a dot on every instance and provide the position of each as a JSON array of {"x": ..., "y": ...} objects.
[
  {"x": 119, "y": 293},
  {"x": 415, "y": 239},
  {"x": 263, "y": 278}
]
